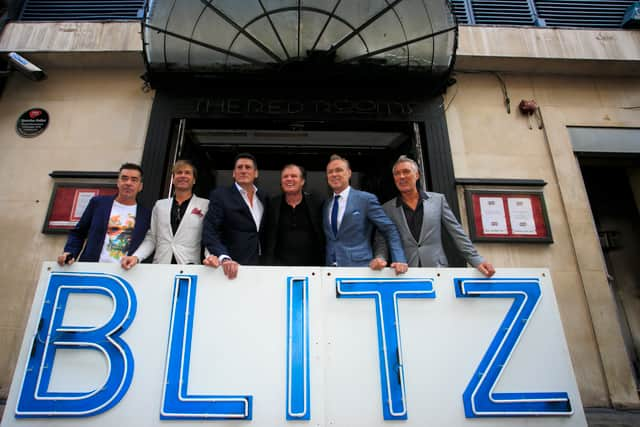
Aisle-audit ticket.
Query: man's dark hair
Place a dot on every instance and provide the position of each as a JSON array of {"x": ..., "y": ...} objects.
[
  {"x": 131, "y": 166},
  {"x": 303, "y": 173},
  {"x": 246, "y": 156}
]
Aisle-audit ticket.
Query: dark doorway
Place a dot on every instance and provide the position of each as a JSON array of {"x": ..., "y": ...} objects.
[
  {"x": 615, "y": 212},
  {"x": 371, "y": 148}
]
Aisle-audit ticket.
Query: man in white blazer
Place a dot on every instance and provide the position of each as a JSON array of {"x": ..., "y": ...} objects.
[
  {"x": 420, "y": 217},
  {"x": 176, "y": 223}
]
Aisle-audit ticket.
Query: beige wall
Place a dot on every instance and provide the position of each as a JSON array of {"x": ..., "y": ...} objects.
[
  {"x": 98, "y": 120},
  {"x": 489, "y": 143}
]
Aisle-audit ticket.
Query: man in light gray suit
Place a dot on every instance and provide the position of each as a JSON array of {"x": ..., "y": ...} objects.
[
  {"x": 349, "y": 218},
  {"x": 420, "y": 218}
]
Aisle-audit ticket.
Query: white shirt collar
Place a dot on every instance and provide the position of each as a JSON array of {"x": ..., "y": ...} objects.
[
  {"x": 344, "y": 194},
  {"x": 242, "y": 190}
]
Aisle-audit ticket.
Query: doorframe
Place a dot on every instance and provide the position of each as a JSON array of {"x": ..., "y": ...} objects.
[{"x": 427, "y": 113}]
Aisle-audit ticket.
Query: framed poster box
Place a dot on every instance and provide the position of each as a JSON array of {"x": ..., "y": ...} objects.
[
  {"x": 68, "y": 202},
  {"x": 507, "y": 216}
]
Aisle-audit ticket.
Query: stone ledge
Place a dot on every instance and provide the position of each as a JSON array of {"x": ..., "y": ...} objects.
[
  {"x": 71, "y": 37},
  {"x": 75, "y": 44},
  {"x": 491, "y": 48},
  {"x": 549, "y": 50}
]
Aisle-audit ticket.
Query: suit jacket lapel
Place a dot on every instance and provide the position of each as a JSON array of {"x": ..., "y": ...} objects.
[
  {"x": 239, "y": 199},
  {"x": 325, "y": 217},
  {"x": 426, "y": 217},
  {"x": 169, "y": 228},
  {"x": 348, "y": 209},
  {"x": 265, "y": 205}
]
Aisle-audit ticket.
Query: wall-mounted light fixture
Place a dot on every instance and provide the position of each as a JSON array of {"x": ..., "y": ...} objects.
[{"x": 530, "y": 108}]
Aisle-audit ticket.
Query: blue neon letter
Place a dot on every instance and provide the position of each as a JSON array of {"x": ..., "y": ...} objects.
[
  {"x": 478, "y": 398},
  {"x": 298, "y": 349},
  {"x": 386, "y": 292},
  {"x": 35, "y": 398},
  {"x": 177, "y": 403}
]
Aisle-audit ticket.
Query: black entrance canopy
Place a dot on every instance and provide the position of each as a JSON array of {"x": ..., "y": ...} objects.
[{"x": 329, "y": 42}]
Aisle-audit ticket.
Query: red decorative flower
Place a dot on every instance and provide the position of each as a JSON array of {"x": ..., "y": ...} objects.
[{"x": 198, "y": 212}]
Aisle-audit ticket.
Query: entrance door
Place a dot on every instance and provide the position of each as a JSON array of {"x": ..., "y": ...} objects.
[
  {"x": 371, "y": 149},
  {"x": 610, "y": 185}
]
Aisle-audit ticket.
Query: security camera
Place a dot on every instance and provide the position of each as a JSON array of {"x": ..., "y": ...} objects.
[{"x": 27, "y": 68}]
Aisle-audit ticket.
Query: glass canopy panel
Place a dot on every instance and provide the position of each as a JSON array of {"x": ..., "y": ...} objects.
[
  {"x": 227, "y": 35},
  {"x": 336, "y": 29},
  {"x": 286, "y": 25}
]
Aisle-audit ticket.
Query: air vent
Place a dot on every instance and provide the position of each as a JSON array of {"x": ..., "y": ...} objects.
[
  {"x": 86, "y": 10},
  {"x": 550, "y": 13},
  {"x": 583, "y": 13}
]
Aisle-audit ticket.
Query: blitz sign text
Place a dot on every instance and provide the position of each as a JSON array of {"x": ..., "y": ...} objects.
[{"x": 293, "y": 328}]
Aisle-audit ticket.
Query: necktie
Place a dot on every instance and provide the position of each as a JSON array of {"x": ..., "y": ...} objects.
[{"x": 334, "y": 215}]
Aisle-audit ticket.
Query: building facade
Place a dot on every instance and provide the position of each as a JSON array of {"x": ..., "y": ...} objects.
[{"x": 579, "y": 145}]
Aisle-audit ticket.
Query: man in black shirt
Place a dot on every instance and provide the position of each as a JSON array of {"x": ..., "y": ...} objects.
[
  {"x": 421, "y": 218},
  {"x": 294, "y": 223}
]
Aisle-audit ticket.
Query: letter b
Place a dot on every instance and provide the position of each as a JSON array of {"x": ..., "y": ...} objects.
[{"x": 36, "y": 399}]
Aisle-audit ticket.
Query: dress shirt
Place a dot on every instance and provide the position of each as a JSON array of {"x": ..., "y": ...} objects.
[
  {"x": 257, "y": 209},
  {"x": 342, "y": 204}
]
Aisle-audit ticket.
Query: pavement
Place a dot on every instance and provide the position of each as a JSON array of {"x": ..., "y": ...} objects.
[
  {"x": 606, "y": 417},
  {"x": 596, "y": 417}
]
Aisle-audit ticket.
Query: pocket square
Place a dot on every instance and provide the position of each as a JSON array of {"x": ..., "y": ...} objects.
[{"x": 356, "y": 213}]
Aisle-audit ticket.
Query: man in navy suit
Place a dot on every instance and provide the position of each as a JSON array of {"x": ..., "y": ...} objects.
[
  {"x": 232, "y": 229},
  {"x": 349, "y": 218},
  {"x": 112, "y": 226}
]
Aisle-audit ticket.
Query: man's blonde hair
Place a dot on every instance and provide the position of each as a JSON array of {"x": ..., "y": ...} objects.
[{"x": 182, "y": 163}]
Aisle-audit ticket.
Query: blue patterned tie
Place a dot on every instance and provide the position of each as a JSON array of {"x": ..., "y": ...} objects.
[{"x": 334, "y": 215}]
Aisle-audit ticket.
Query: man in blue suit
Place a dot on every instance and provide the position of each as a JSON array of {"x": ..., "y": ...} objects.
[
  {"x": 112, "y": 226},
  {"x": 233, "y": 227},
  {"x": 349, "y": 218}
]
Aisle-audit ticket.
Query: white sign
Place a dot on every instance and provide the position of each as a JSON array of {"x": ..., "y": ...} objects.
[
  {"x": 81, "y": 201},
  {"x": 292, "y": 346},
  {"x": 494, "y": 219},
  {"x": 521, "y": 215}
]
